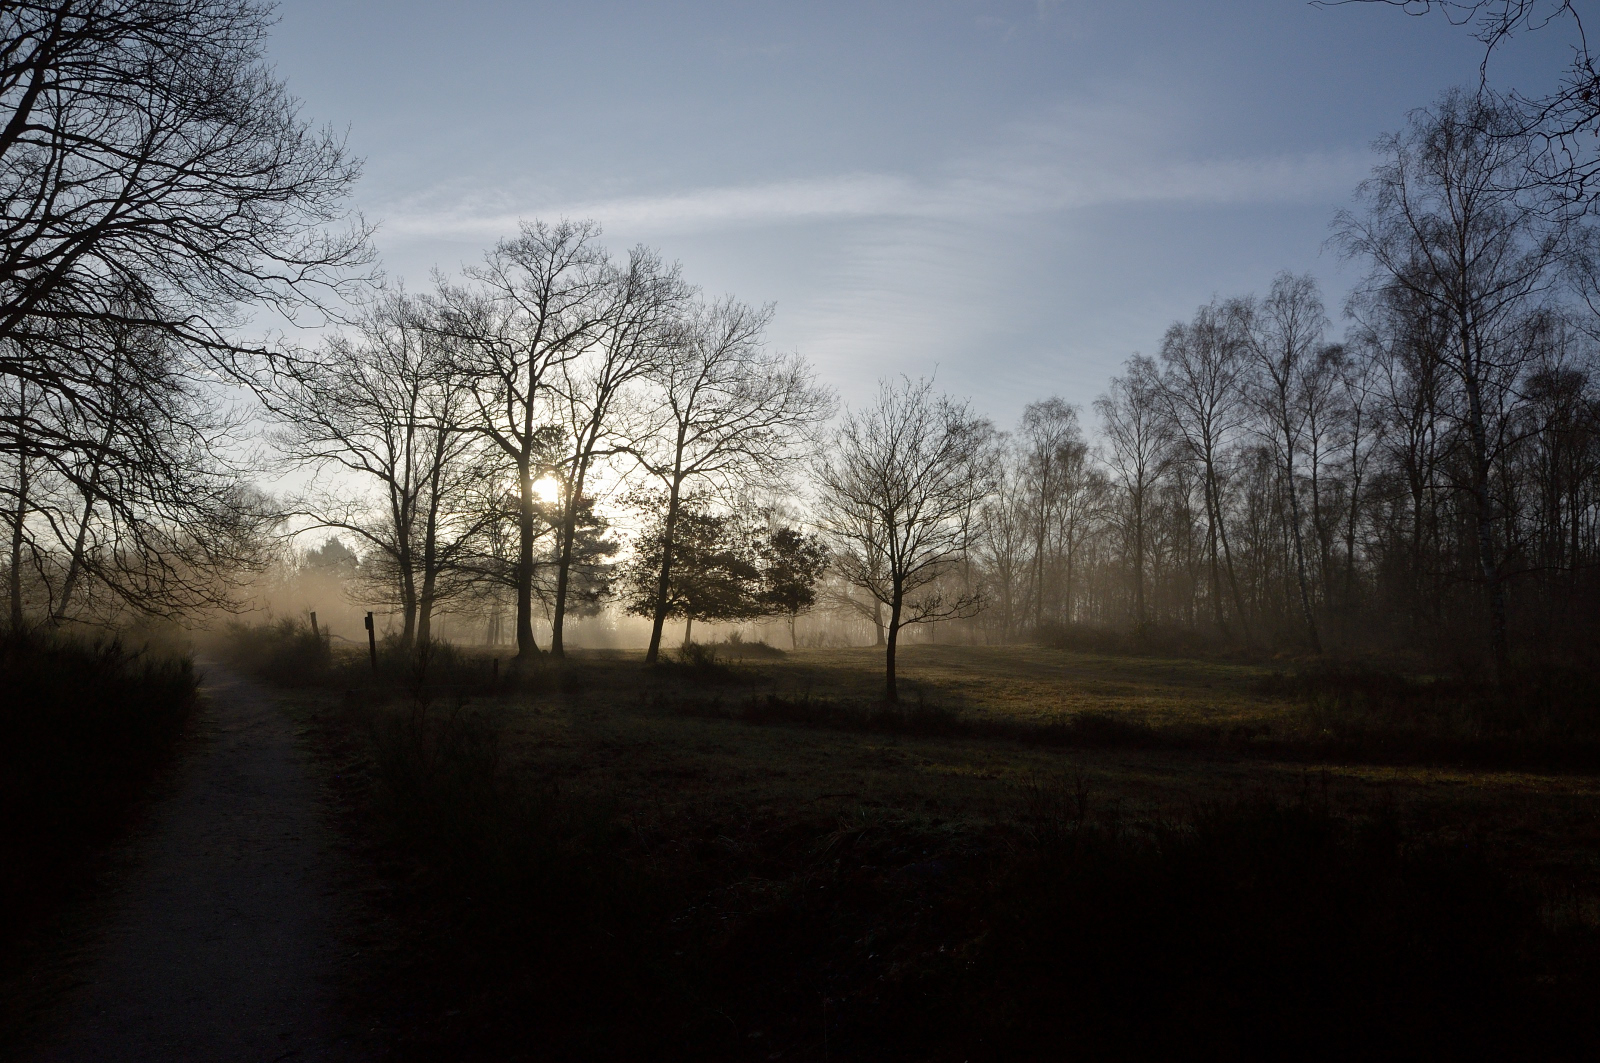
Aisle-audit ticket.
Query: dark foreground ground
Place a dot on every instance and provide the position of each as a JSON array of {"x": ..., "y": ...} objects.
[
  {"x": 220, "y": 932},
  {"x": 744, "y": 855},
  {"x": 1039, "y": 855}
]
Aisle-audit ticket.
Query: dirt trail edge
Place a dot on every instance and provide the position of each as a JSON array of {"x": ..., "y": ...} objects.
[{"x": 223, "y": 942}]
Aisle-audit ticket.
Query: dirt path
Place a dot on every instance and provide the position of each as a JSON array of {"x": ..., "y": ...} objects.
[{"x": 223, "y": 941}]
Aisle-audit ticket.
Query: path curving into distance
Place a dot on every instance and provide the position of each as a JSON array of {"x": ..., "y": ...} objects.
[{"x": 222, "y": 943}]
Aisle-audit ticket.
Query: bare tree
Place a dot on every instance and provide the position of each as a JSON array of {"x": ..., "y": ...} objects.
[
  {"x": 389, "y": 408},
  {"x": 726, "y": 417},
  {"x": 1202, "y": 395},
  {"x": 1006, "y": 528},
  {"x": 125, "y": 502},
  {"x": 1054, "y": 465},
  {"x": 1363, "y": 430},
  {"x": 1139, "y": 453},
  {"x": 540, "y": 303},
  {"x": 645, "y": 303},
  {"x": 153, "y": 170},
  {"x": 1446, "y": 224},
  {"x": 898, "y": 486},
  {"x": 1554, "y": 128},
  {"x": 1285, "y": 333}
]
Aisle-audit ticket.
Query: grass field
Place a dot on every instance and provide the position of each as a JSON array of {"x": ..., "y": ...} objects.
[
  {"x": 614, "y": 730},
  {"x": 692, "y": 817}
]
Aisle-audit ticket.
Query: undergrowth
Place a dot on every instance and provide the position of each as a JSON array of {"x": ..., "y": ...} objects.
[
  {"x": 1548, "y": 717},
  {"x": 287, "y": 652},
  {"x": 85, "y": 728}
]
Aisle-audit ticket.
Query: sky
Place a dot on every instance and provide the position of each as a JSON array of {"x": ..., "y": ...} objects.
[{"x": 1011, "y": 196}]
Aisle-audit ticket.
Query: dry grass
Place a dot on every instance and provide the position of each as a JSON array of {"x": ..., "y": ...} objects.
[
  {"x": 1030, "y": 682},
  {"x": 604, "y": 726},
  {"x": 609, "y": 728},
  {"x": 758, "y": 864}
]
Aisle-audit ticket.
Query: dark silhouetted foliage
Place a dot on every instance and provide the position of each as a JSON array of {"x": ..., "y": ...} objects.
[{"x": 86, "y": 727}]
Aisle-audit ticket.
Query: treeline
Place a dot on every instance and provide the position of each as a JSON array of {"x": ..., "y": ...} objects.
[
  {"x": 564, "y": 430},
  {"x": 1427, "y": 483}
]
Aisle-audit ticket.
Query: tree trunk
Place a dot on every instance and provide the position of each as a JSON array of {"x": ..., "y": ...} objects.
[
  {"x": 688, "y": 631},
  {"x": 1138, "y": 563},
  {"x": 1350, "y": 523},
  {"x": 425, "y": 604},
  {"x": 1038, "y": 578},
  {"x": 1300, "y": 554},
  {"x": 1227, "y": 559},
  {"x": 75, "y": 563},
  {"x": 569, "y": 536},
  {"x": 1215, "y": 567},
  {"x": 558, "y": 617},
  {"x": 1067, "y": 556},
  {"x": 408, "y": 616},
  {"x": 891, "y": 692},
  {"x": 877, "y": 621},
  {"x": 664, "y": 581},
  {"x": 17, "y": 521},
  {"x": 526, "y": 647},
  {"x": 1494, "y": 591},
  {"x": 430, "y": 563}
]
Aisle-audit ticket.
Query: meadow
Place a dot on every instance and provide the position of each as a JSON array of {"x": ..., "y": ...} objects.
[{"x": 741, "y": 854}]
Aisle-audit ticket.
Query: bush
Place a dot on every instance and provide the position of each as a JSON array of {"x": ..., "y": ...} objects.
[
  {"x": 736, "y": 645},
  {"x": 701, "y": 664},
  {"x": 1548, "y": 717},
  {"x": 287, "y": 652},
  {"x": 86, "y": 726},
  {"x": 284, "y": 651}
]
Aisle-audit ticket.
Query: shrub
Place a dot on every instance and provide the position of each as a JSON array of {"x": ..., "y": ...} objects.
[
  {"x": 284, "y": 651},
  {"x": 1547, "y": 717},
  {"x": 86, "y": 726},
  {"x": 287, "y": 652}
]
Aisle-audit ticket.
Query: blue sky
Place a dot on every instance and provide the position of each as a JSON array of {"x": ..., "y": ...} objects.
[{"x": 1019, "y": 194}]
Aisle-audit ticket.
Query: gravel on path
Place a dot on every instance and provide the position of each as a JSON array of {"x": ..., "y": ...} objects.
[{"x": 223, "y": 943}]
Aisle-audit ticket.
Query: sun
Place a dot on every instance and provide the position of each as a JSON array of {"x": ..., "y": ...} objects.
[{"x": 547, "y": 489}]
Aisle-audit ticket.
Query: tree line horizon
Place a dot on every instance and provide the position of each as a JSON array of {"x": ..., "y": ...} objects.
[{"x": 1424, "y": 484}]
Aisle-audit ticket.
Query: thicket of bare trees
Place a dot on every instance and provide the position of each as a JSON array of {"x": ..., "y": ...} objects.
[
  {"x": 1428, "y": 484},
  {"x": 466, "y": 439},
  {"x": 157, "y": 186}
]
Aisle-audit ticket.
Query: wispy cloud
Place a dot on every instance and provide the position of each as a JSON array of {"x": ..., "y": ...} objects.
[
  {"x": 992, "y": 188},
  {"x": 992, "y": 265}
]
